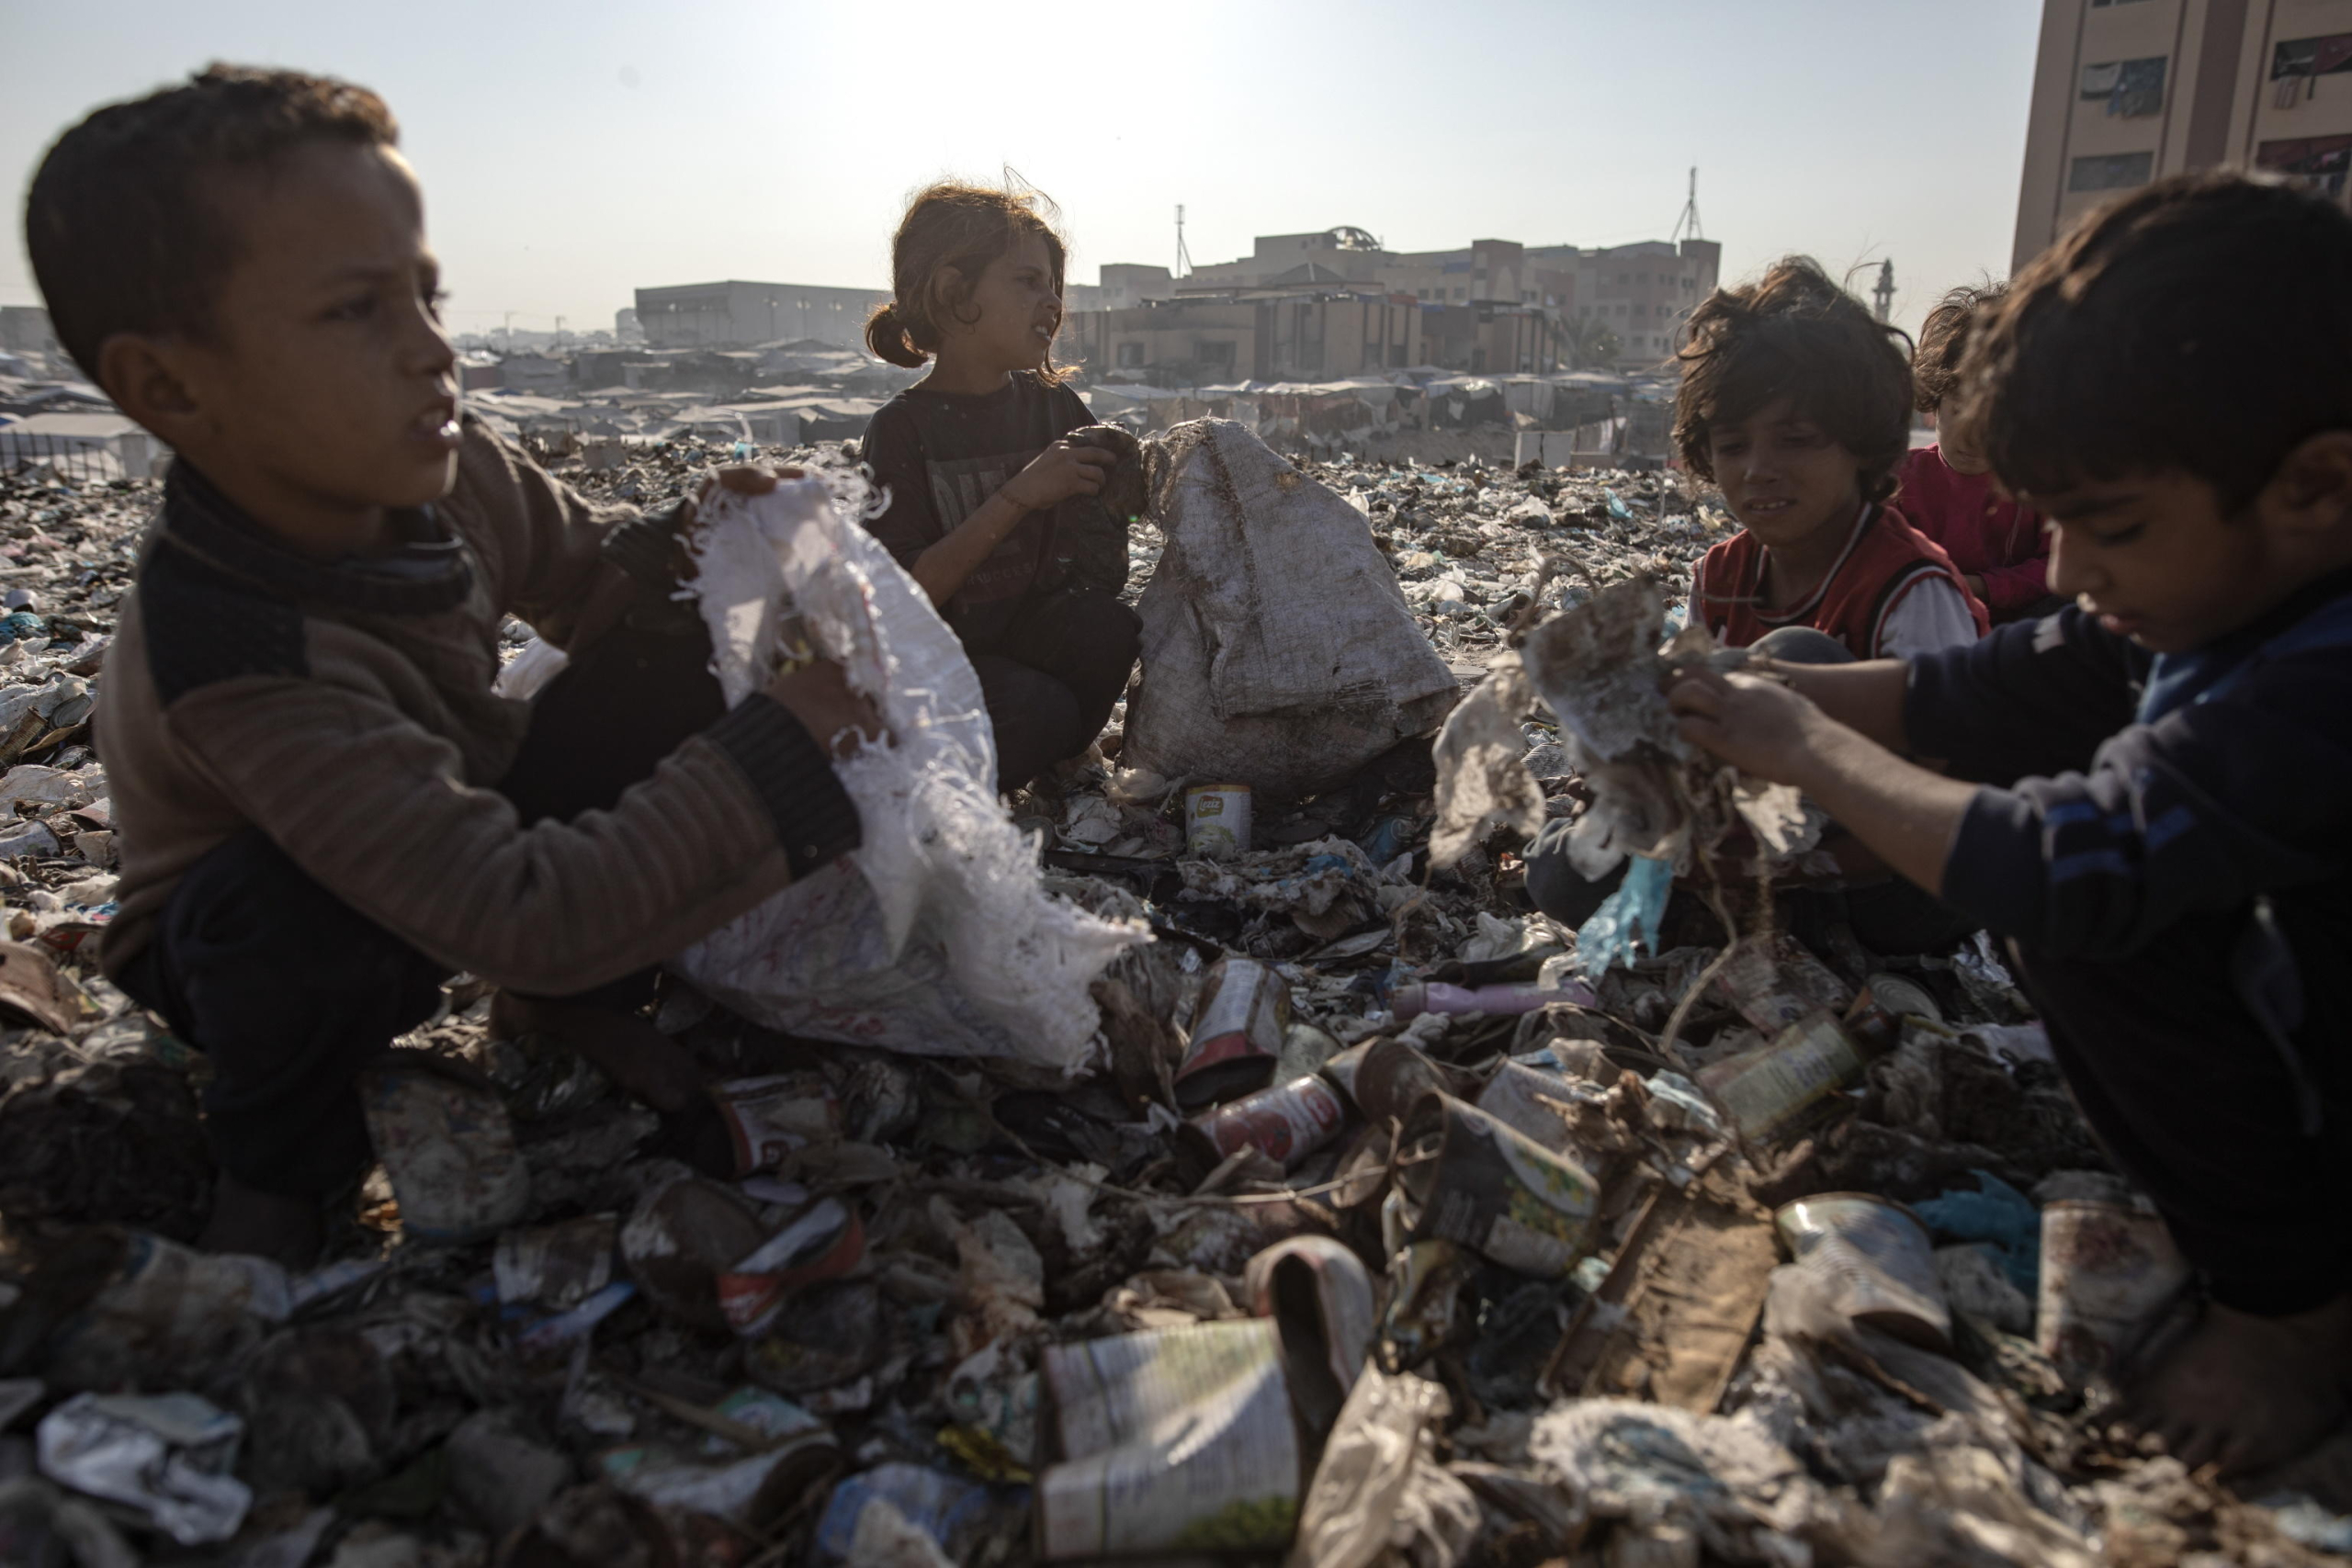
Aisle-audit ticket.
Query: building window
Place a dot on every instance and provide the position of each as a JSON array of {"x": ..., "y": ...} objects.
[
  {"x": 2325, "y": 56},
  {"x": 1421, "y": 293},
  {"x": 2128, "y": 88},
  {"x": 1131, "y": 353},
  {"x": 2113, "y": 171},
  {"x": 1213, "y": 354},
  {"x": 2319, "y": 161}
]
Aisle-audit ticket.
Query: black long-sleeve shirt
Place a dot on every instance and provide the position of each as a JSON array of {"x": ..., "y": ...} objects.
[
  {"x": 2123, "y": 792},
  {"x": 941, "y": 455}
]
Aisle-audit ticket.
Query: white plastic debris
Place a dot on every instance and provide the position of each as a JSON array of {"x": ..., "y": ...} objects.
[
  {"x": 1278, "y": 650},
  {"x": 936, "y": 936},
  {"x": 166, "y": 1455},
  {"x": 1482, "y": 778},
  {"x": 1379, "y": 1494}
]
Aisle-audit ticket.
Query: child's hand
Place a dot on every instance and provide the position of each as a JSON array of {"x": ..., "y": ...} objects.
[
  {"x": 1060, "y": 471},
  {"x": 819, "y": 695},
  {"x": 1759, "y": 727}
]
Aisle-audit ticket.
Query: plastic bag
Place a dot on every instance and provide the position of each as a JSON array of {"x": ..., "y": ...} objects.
[
  {"x": 1627, "y": 918},
  {"x": 1277, "y": 648},
  {"x": 936, "y": 937}
]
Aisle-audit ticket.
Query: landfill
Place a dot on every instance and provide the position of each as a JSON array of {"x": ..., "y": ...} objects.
[{"x": 1369, "y": 1218}]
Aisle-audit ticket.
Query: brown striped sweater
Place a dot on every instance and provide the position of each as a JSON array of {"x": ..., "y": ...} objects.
[{"x": 345, "y": 709}]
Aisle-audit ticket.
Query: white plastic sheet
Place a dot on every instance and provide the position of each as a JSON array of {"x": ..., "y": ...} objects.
[{"x": 936, "y": 937}]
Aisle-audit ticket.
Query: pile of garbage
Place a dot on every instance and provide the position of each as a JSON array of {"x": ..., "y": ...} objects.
[{"x": 1384, "y": 1220}]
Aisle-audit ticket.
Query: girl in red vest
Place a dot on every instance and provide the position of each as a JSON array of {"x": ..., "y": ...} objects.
[
  {"x": 1948, "y": 492},
  {"x": 1797, "y": 404}
]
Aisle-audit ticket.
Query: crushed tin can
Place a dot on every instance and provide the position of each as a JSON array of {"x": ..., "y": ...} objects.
[
  {"x": 1884, "y": 1001},
  {"x": 1476, "y": 1181},
  {"x": 1524, "y": 1100},
  {"x": 1773, "y": 982},
  {"x": 1285, "y": 1123},
  {"x": 2108, "y": 1270},
  {"x": 1388, "y": 1077},
  {"x": 1217, "y": 820},
  {"x": 1426, "y": 1310},
  {"x": 557, "y": 1266},
  {"x": 1317, "y": 1290},
  {"x": 1237, "y": 1030},
  {"x": 1171, "y": 1438},
  {"x": 1875, "y": 1259},
  {"x": 824, "y": 1242},
  {"x": 770, "y": 1119},
  {"x": 680, "y": 1238},
  {"x": 1774, "y": 1088},
  {"x": 166, "y": 1309},
  {"x": 449, "y": 1150}
]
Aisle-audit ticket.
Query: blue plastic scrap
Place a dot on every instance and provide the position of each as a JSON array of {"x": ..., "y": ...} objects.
[
  {"x": 1627, "y": 919},
  {"x": 1996, "y": 1213},
  {"x": 940, "y": 1504},
  {"x": 1617, "y": 508}
]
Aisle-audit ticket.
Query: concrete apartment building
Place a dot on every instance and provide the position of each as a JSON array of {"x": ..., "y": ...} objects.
[
  {"x": 737, "y": 314},
  {"x": 1334, "y": 303},
  {"x": 2126, "y": 91},
  {"x": 1266, "y": 336},
  {"x": 24, "y": 329},
  {"x": 1643, "y": 292}
]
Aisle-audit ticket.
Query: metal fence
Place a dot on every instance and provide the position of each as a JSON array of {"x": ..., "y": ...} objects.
[{"x": 82, "y": 458}]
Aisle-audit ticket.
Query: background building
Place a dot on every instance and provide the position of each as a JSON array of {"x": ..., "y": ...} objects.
[
  {"x": 2126, "y": 91},
  {"x": 1336, "y": 303},
  {"x": 737, "y": 314},
  {"x": 24, "y": 329}
]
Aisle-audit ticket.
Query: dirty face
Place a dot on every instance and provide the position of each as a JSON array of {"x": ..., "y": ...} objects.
[
  {"x": 1783, "y": 476},
  {"x": 325, "y": 389},
  {"x": 2157, "y": 559},
  {"x": 1013, "y": 312}
]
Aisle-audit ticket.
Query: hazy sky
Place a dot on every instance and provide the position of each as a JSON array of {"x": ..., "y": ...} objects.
[{"x": 574, "y": 153}]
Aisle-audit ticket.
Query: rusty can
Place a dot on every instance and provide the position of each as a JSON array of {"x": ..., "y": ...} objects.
[
  {"x": 681, "y": 1237},
  {"x": 449, "y": 1151},
  {"x": 824, "y": 1242},
  {"x": 555, "y": 1266},
  {"x": 1285, "y": 1123},
  {"x": 1774, "y": 1088},
  {"x": 1494, "y": 1189},
  {"x": 1876, "y": 1260},
  {"x": 1391, "y": 1077},
  {"x": 1774, "y": 982},
  {"x": 1237, "y": 1033},
  {"x": 1530, "y": 1101},
  {"x": 2107, "y": 1273},
  {"x": 1885, "y": 1001},
  {"x": 1217, "y": 820},
  {"x": 770, "y": 1119}
]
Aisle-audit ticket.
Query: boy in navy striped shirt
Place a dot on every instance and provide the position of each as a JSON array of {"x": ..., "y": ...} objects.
[{"x": 2150, "y": 793}]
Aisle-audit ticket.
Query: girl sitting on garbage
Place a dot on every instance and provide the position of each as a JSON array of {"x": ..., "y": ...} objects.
[{"x": 988, "y": 502}]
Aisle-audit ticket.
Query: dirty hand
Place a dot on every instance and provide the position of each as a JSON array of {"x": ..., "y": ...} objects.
[
  {"x": 819, "y": 695},
  {"x": 745, "y": 479},
  {"x": 1060, "y": 471},
  {"x": 1759, "y": 727}
]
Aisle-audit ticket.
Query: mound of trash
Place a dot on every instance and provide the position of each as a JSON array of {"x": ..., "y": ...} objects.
[{"x": 1385, "y": 1221}]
